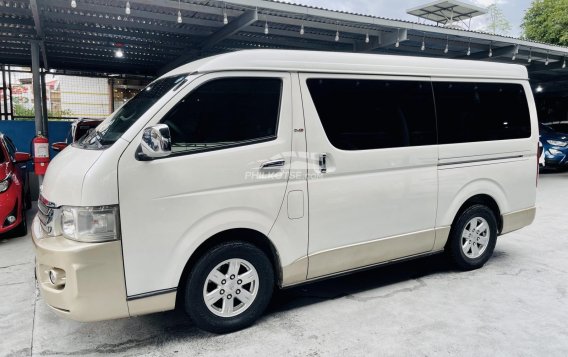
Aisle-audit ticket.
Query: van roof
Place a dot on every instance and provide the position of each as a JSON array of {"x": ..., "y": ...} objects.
[{"x": 350, "y": 63}]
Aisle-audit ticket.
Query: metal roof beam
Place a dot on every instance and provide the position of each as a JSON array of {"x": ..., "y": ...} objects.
[
  {"x": 247, "y": 18},
  {"x": 384, "y": 40},
  {"x": 39, "y": 31},
  {"x": 107, "y": 32},
  {"x": 99, "y": 49},
  {"x": 362, "y": 20},
  {"x": 505, "y": 51},
  {"x": 136, "y": 13},
  {"x": 138, "y": 25},
  {"x": 109, "y": 40},
  {"x": 108, "y": 43},
  {"x": 37, "y": 20},
  {"x": 540, "y": 66}
]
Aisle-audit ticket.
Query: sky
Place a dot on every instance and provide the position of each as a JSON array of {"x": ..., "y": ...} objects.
[{"x": 513, "y": 10}]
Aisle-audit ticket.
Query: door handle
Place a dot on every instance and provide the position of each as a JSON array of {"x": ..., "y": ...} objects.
[
  {"x": 323, "y": 163},
  {"x": 273, "y": 164}
]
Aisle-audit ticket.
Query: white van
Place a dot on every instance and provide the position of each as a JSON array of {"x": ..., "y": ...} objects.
[{"x": 248, "y": 171}]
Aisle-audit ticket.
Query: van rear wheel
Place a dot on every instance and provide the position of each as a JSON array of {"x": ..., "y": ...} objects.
[
  {"x": 229, "y": 287},
  {"x": 473, "y": 237}
]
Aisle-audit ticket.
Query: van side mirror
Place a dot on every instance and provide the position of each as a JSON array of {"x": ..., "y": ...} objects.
[
  {"x": 156, "y": 142},
  {"x": 59, "y": 146}
]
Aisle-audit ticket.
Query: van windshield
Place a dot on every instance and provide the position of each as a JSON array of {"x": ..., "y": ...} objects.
[{"x": 110, "y": 130}]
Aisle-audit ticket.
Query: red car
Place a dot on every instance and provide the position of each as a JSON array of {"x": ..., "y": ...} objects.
[
  {"x": 79, "y": 128},
  {"x": 15, "y": 195}
]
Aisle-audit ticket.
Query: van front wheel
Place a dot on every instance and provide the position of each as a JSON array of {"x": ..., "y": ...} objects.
[
  {"x": 473, "y": 237},
  {"x": 229, "y": 287}
]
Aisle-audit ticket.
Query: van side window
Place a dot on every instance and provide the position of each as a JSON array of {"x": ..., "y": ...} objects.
[
  {"x": 375, "y": 114},
  {"x": 224, "y": 113},
  {"x": 470, "y": 112}
]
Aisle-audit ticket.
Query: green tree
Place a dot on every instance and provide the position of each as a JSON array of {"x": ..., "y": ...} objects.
[
  {"x": 498, "y": 23},
  {"x": 547, "y": 21}
]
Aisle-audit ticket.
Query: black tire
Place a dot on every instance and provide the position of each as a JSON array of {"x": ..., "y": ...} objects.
[
  {"x": 22, "y": 228},
  {"x": 27, "y": 199},
  {"x": 454, "y": 246},
  {"x": 194, "y": 301}
]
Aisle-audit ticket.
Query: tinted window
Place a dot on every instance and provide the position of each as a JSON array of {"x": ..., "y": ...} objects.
[
  {"x": 469, "y": 112},
  {"x": 374, "y": 114},
  {"x": 225, "y": 112}
]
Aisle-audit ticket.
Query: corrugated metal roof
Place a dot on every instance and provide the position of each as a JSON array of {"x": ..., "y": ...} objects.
[{"x": 86, "y": 37}]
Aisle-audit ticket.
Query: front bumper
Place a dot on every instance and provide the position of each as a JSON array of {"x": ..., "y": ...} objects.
[
  {"x": 556, "y": 160},
  {"x": 10, "y": 204},
  {"x": 94, "y": 277}
]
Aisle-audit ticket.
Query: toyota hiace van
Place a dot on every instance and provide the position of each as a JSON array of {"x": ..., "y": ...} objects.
[{"x": 240, "y": 173}]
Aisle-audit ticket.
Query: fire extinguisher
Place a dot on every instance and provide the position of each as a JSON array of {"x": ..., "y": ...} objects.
[{"x": 41, "y": 154}]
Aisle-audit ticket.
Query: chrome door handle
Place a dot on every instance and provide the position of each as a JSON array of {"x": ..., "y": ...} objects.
[
  {"x": 323, "y": 163},
  {"x": 272, "y": 164}
]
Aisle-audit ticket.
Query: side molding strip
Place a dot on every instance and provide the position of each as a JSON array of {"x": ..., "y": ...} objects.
[
  {"x": 480, "y": 160},
  {"x": 150, "y": 294}
]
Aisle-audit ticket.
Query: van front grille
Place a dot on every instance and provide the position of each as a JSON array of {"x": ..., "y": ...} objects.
[{"x": 46, "y": 213}]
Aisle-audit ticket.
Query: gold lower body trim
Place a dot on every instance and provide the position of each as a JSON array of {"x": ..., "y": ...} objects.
[{"x": 518, "y": 219}]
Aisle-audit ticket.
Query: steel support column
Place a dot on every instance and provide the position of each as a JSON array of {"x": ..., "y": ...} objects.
[
  {"x": 36, "y": 81},
  {"x": 5, "y": 89},
  {"x": 44, "y": 104}
]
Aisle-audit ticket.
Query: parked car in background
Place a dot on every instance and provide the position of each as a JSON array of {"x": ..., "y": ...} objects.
[
  {"x": 541, "y": 161},
  {"x": 555, "y": 147},
  {"x": 79, "y": 128},
  {"x": 15, "y": 195},
  {"x": 560, "y": 127}
]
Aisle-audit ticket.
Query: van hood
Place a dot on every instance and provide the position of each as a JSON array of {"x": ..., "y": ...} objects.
[{"x": 63, "y": 181}]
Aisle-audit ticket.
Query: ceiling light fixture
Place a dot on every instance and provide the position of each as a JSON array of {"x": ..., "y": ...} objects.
[
  {"x": 564, "y": 63},
  {"x": 447, "y": 48},
  {"x": 179, "y": 19},
  {"x": 367, "y": 40},
  {"x": 266, "y": 25},
  {"x": 547, "y": 60},
  {"x": 118, "y": 53},
  {"x": 423, "y": 47},
  {"x": 73, "y": 3},
  {"x": 127, "y": 9},
  {"x": 397, "y": 44},
  {"x": 469, "y": 47},
  {"x": 530, "y": 55},
  {"x": 337, "y": 33},
  {"x": 225, "y": 18},
  {"x": 515, "y": 52},
  {"x": 491, "y": 50},
  {"x": 302, "y": 30}
]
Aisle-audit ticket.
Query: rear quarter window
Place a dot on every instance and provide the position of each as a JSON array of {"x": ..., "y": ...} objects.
[{"x": 471, "y": 112}]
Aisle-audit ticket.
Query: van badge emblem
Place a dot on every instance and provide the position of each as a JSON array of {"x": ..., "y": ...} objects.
[{"x": 301, "y": 130}]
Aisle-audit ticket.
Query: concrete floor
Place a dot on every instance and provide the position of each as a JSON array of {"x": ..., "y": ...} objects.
[{"x": 516, "y": 305}]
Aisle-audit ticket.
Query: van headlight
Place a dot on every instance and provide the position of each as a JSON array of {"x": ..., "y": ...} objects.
[{"x": 90, "y": 224}]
